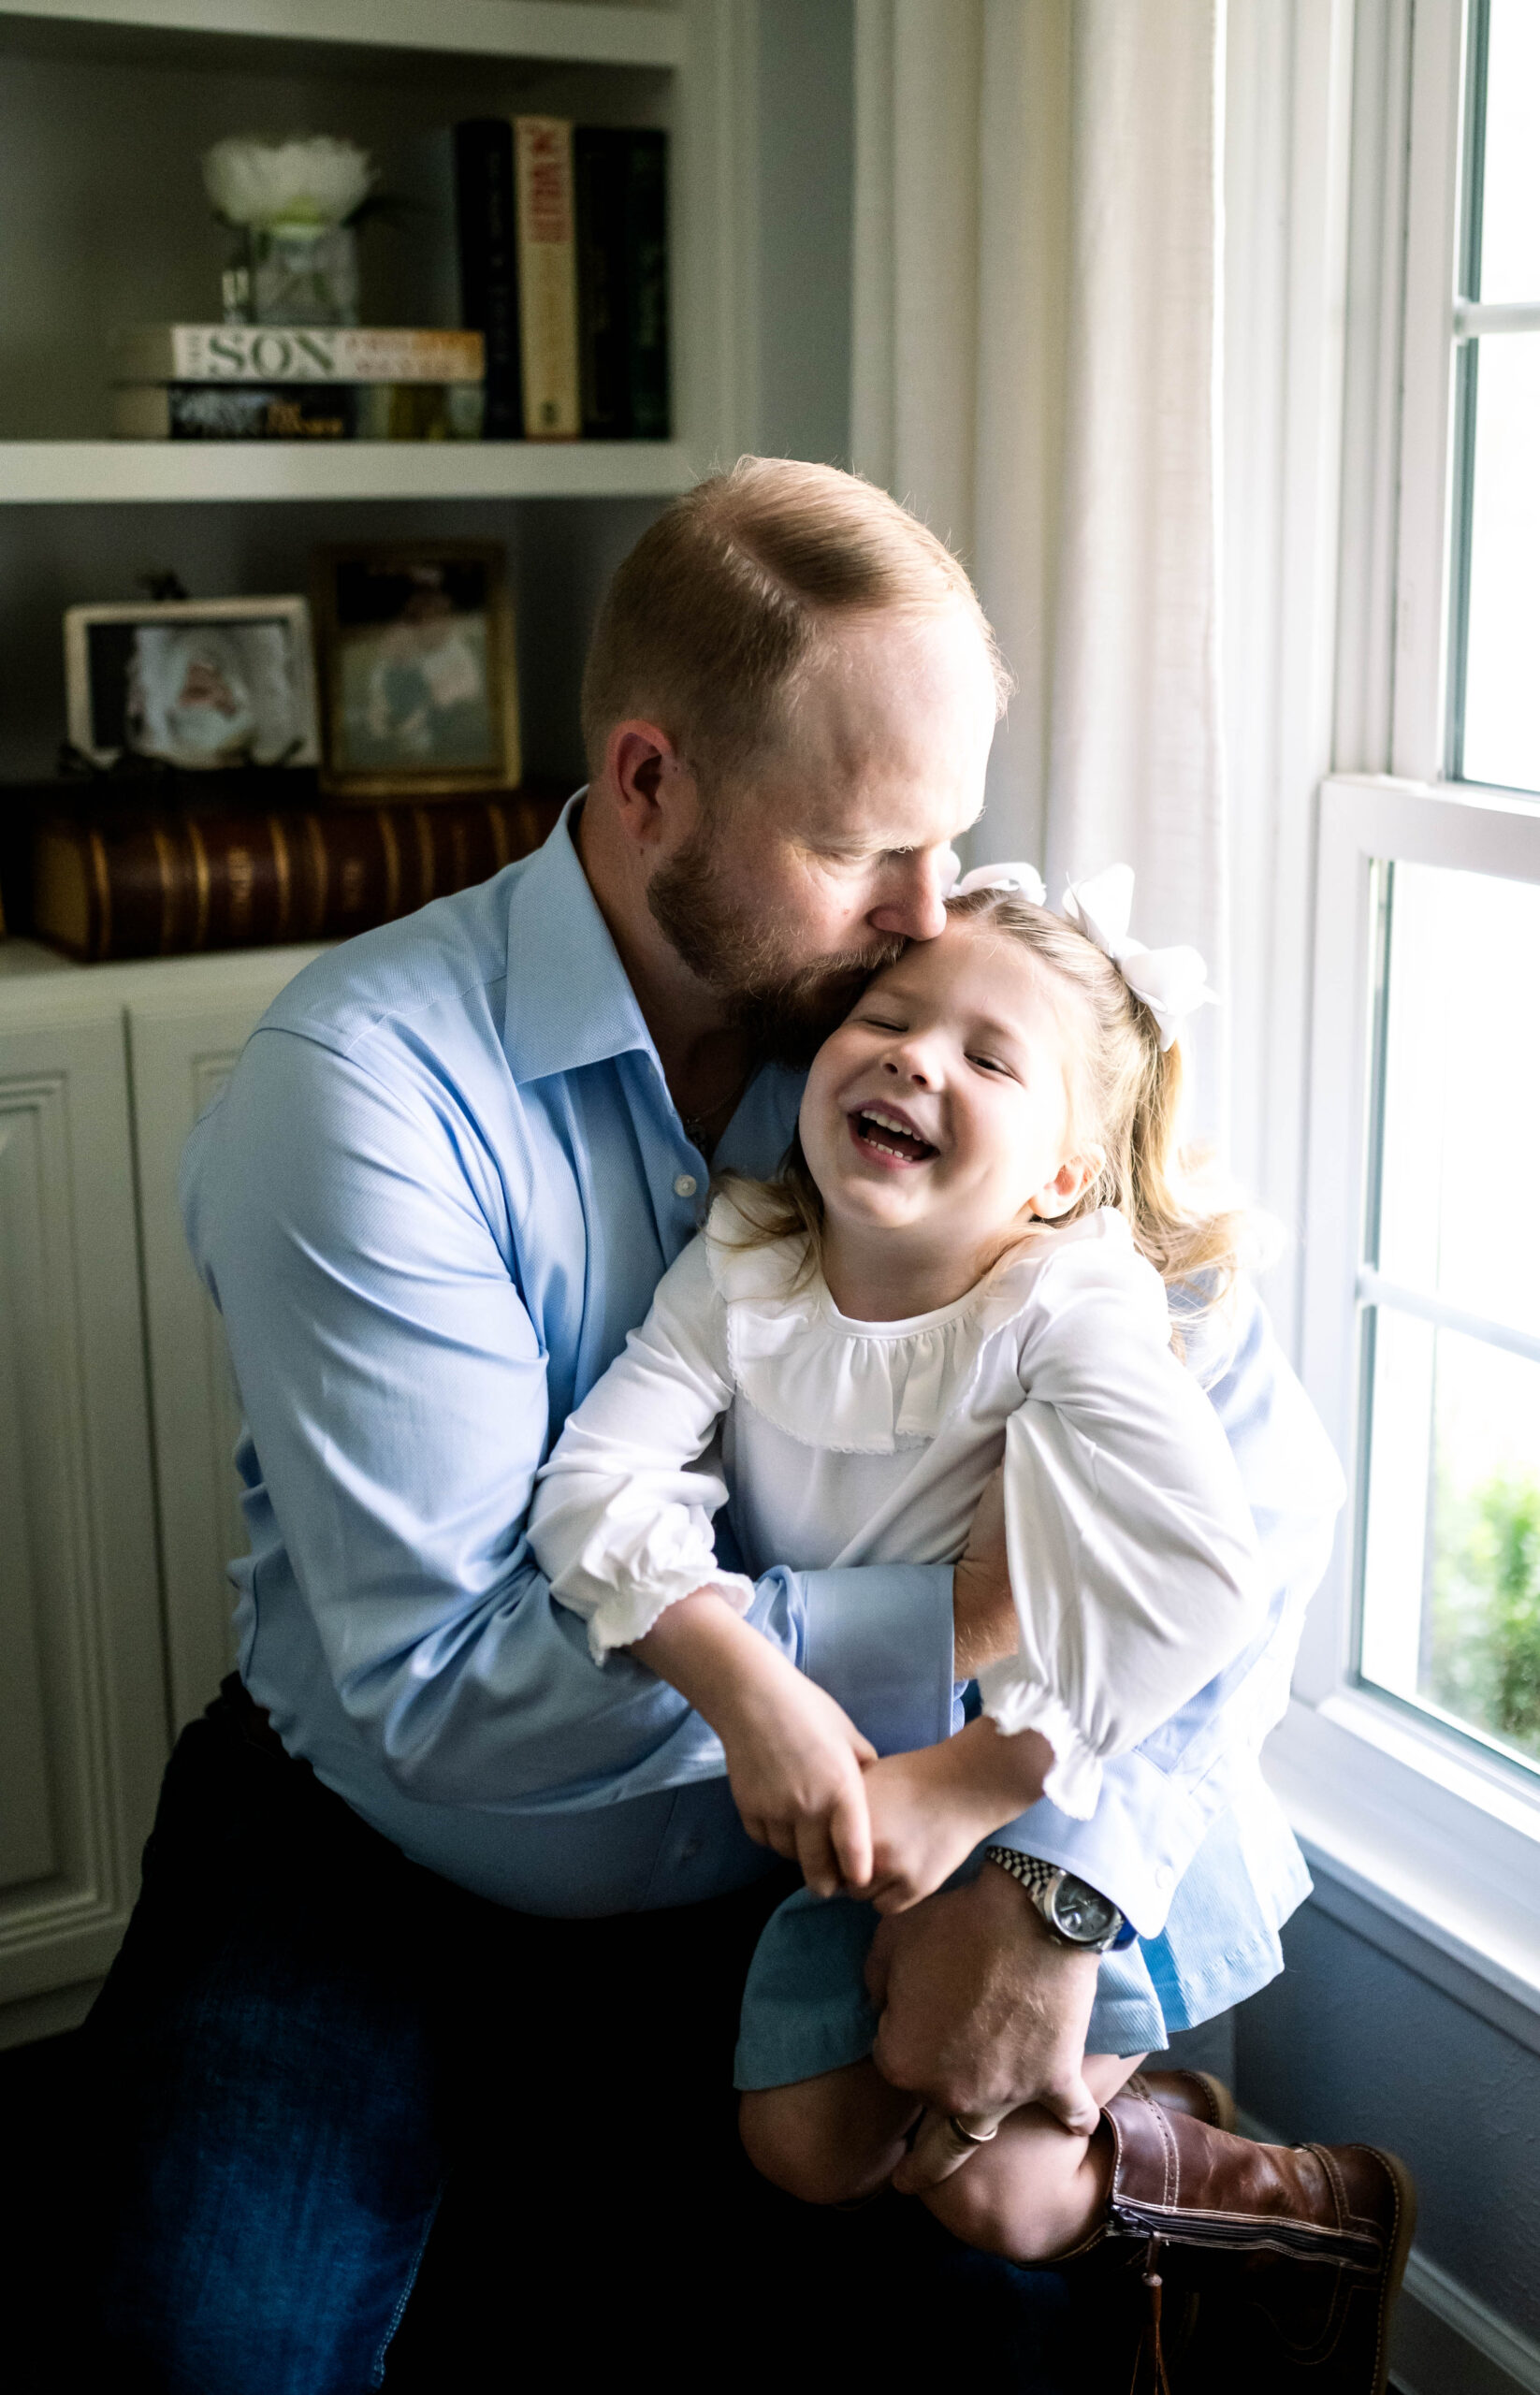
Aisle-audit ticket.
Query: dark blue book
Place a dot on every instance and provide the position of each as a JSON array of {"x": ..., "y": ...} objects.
[
  {"x": 488, "y": 234},
  {"x": 620, "y": 179}
]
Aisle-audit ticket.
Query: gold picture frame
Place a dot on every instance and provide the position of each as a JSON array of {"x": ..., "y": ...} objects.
[{"x": 419, "y": 689}]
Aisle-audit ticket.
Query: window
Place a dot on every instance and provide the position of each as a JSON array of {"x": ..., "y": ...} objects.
[{"x": 1422, "y": 1267}]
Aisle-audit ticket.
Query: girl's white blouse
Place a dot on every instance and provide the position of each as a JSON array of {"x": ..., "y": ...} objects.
[{"x": 1132, "y": 1552}]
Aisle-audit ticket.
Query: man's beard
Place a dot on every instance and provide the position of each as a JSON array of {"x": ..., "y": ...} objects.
[{"x": 788, "y": 1011}]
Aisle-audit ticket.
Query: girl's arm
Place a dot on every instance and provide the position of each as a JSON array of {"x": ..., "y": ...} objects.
[
  {"x": 1133, "y": 1566},
  {"x": 622, "y": 1523},
  {"x": 1132, "y": 1550}
]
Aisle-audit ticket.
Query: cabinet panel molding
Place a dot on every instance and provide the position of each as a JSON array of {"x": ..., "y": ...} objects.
[{"x": 83, "y": 1715}]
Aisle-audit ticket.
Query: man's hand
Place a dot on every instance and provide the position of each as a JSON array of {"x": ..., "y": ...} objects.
[
  {"x": 983, "y": 2011},
  {"x": 793, "y": 1755},
  {"x": 983, "y": 1612}
]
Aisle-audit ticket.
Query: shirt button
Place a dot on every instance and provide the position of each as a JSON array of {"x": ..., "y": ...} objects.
[
  {"x": 684, "y": 1184},
  {"x": 690, "y": 1849},
  {"x": 1163, "y": 1876}
]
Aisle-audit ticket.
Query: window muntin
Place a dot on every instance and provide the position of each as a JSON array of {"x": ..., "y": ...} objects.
[{"x": 1450, "y": 1576}]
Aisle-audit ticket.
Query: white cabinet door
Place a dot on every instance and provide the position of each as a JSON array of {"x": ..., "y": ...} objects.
[
  {"x": 82, "y": 1691},
  {"x": 186, "y": 1027}
]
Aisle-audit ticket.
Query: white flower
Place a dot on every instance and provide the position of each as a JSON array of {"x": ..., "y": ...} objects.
[{"x": 317, "y": 182}]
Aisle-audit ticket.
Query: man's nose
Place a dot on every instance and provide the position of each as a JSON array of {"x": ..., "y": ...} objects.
[{"x": 916, "y": 909}]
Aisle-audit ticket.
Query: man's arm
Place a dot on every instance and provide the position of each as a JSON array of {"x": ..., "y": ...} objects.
[{"x": 356, "y": 1243}]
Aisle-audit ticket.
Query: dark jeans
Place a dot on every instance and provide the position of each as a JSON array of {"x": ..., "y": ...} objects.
[{"x": 311, "y": 2053}]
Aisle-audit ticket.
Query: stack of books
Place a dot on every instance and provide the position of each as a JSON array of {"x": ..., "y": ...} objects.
[
  {"x": 563, "y": 269},
  {"x": 295, "y": 383},
  {"x": 561, "y": 236}
]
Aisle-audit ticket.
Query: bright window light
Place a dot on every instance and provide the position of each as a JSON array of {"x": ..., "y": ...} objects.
[{"x": 1450, "y": 1584}]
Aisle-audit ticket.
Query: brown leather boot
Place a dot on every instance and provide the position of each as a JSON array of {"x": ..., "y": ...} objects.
[
  {"x": 1196, "y": 2093},
  {"x": 1295, "y": 2253}
]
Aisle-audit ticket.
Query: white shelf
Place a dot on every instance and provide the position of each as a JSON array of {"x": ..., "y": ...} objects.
[
  {"x": 587, "y": 34},
  {"x": 103, "y": 472}
]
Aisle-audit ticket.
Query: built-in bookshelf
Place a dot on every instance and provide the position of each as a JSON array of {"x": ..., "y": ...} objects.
[{"x": 109, "y": 103}]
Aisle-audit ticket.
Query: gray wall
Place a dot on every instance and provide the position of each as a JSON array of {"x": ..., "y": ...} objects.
[
  {"x": 1353, "y": 2043},
  {"x": 805, "y": 166}
]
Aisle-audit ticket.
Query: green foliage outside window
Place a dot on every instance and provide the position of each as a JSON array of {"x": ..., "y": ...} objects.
[{"x": 1481, "y": 1660}]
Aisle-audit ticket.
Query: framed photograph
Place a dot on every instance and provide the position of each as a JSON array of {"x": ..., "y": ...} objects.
[
  {"x": 199, "y": 683},
  {"x": 416, "y": 655}
]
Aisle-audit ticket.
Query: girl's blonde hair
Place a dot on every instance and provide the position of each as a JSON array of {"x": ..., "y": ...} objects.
[{"x": 1125, "y": 1097}]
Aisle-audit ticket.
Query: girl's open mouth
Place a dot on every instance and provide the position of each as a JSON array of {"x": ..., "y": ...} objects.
[{"x": 876, "y": 1131}]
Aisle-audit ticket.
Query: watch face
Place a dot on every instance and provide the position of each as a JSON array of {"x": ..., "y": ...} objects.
[{"x": 1081, "y": 1915}]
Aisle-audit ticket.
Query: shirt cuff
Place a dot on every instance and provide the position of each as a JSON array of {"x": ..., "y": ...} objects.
[
  {"x": 1143, "y": 1837},
  {"x": 1073, "y": 1780},
  {"x": 626, "y": 1613},
  {"x": 878, "y": 1638}
]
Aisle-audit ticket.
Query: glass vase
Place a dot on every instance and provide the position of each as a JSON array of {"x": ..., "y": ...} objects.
[{"x": 294, "y": 274}]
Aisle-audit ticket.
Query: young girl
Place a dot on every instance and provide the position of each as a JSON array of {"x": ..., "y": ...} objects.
[{"x": 964, "y": 1260}]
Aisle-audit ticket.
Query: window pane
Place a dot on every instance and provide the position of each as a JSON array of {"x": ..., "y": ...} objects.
[
  {"x": 1501, "y": 733},
  {"x": 1510, "y": 183},
  {"x": 1459, "y": 1143},
  {"x": 1451, "y": 1611}
]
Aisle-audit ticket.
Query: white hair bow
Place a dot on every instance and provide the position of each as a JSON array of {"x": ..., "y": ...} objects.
[
  {"x": 1172, "y": 983},
  {"x": 1024, "y": 880}
]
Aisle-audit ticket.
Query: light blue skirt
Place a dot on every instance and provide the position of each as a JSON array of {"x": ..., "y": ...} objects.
[{"x": 806, "y": 2008}]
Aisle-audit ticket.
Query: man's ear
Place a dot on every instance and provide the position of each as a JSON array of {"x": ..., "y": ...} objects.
[
  {"x": 645, "y": 779},
  {"x": 1068, "y": 1186}
]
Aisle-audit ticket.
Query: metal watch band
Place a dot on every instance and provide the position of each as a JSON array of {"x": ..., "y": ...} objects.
[
  {"x": 1034, "y": 1875},
  {"x": 1038, "y": 1878}
]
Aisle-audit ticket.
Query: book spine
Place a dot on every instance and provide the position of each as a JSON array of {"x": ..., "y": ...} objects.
[
  {"x": 599, "y": 178},
  {"x": 547, "y": 277},
  {"x": 247, "y": 412},
  {"x": 646, "y": 221},
  {"x": 177, "y": 885},
  {"x": 488, "y": 265},
  {"x": 417, "y": 412},
  {"x": 275, "y": 353}
]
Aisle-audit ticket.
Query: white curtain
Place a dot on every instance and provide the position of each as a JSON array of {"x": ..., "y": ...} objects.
[{"x": 1036, "y": 342}]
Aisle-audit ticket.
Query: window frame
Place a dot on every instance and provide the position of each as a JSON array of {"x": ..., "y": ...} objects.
[{"x": 1428, "y": 1827}]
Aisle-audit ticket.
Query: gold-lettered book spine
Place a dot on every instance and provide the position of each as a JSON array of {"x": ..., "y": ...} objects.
[{"x": 166, "y": 884}]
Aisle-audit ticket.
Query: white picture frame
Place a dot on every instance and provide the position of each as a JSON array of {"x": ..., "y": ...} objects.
[{"x": 139, "y": 679}]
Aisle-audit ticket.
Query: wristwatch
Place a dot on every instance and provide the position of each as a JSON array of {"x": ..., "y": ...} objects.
[{"x": 1075, "y": 1914}]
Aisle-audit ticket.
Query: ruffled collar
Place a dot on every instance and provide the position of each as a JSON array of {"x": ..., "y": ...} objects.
[{"x": 847, "y": 1386}]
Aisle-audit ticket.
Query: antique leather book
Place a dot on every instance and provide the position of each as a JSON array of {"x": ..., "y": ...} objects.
[{"x": 139, "y": 881}]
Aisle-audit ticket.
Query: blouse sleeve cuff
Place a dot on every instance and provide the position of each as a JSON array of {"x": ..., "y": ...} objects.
[
  {"x": 1074, "y": 1781},
  {"x": 625, "y": 1615}
]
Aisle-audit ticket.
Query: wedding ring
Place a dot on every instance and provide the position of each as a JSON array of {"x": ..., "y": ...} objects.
[{"x": 966, "y": 2135}]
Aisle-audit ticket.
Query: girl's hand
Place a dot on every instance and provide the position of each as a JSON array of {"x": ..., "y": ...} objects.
[
  {"x": 793, "y": 1764},
  {"x": 931, "y": 1809},
  {"x": 794, "y": 1756}
]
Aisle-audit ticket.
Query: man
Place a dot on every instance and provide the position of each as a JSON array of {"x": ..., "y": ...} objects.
[{"x": 396, "y": 1877}]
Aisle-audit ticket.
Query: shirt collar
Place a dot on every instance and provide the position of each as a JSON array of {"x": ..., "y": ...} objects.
[{"x": 569, "y": 1002}]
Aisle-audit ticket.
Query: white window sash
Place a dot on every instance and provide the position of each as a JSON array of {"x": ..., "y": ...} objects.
[{"x": 1382, "y": 1793}]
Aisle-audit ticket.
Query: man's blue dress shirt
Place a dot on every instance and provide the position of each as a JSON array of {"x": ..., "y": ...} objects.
[{"x": 438, "y": 1192}]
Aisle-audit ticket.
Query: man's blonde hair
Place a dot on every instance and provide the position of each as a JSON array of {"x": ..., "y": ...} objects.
[{"x": 719, "y": 607}]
